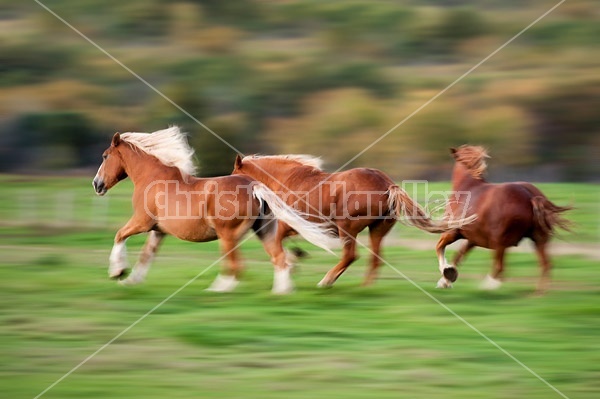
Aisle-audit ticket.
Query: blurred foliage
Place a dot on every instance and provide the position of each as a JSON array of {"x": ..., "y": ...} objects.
[
  {"x": 568, "y": 122},
  {"x": 326, "y": 78},
  {"x": 144, "y": 19},
  {"x": 43, "y": 136},
  {"x": 32, "y": 62}
]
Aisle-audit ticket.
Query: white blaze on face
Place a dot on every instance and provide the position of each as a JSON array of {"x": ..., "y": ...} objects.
[
  {"x": 99, "y": 171},
  {"x": 98, "y": 179}
]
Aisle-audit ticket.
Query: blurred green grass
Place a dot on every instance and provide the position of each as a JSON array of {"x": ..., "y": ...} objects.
[{"x": 384, "y": 341}]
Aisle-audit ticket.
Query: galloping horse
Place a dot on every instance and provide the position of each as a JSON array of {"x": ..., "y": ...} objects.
[
  {"x": 349, "y": 201},
  {"x": 167, "y": 199},
  {"x": 507, "y": 213}
]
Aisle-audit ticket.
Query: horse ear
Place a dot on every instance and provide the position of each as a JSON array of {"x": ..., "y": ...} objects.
[
  {"x": 453, "y": 151},
  {"x": 238, "y": 162},
  {"x": 116, "y": 140}
]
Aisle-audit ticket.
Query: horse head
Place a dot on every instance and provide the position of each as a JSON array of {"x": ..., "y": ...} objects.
[
  {"x": 112, "y": 169},
  {"x": 473, "y": 158}
]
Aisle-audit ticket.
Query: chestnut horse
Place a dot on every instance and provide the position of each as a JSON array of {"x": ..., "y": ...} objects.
[
  {"x": 349, "y": 201},
  {"x": 507, "y": 213},
  {"x": 167, "y": 199}
]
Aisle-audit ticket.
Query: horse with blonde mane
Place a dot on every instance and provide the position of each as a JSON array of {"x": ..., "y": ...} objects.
[
  {"x": 349, "y": 201},
  {"x": 168, "y": 199},
  {"x": 507, "y": 213}
]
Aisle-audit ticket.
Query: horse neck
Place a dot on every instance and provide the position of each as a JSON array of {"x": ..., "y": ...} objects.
[
  {"x": 271, "y": 175},
  {"x": 143, "y": 168},
  {"x": 462, "y": 178}
]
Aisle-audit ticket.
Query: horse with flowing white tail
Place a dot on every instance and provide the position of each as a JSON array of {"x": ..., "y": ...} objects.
[
  {"x": 168, "y": 199},
  {"x": 349, "y": 201}
]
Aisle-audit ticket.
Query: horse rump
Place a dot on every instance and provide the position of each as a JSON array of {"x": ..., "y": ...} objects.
[{"x": 548, "y": 216}]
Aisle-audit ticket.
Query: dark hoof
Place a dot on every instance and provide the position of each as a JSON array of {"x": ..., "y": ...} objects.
[
  {"x": 451, "y": 274},
  {"x": 122, "y": 275},
  {"x": 299, "y": 252}
]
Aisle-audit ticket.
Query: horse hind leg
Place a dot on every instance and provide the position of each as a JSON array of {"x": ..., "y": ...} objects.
[
  {"x": 348, "y": 256},
  {"x": 493, "y": 281},
  {"x": 229, "y": 279},
  {"x": 376, "y": 234},
  {"x": 545, "y": 265},
  {"x": 140, "y": 270}
]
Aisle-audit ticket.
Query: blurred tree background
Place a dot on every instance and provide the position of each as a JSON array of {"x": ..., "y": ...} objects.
[{"x": 306, "y": 76}]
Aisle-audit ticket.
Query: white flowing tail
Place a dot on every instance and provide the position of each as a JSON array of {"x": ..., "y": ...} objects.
[{"x": 319, "y": 234}]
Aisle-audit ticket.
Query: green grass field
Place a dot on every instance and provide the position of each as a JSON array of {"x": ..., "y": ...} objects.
[{"x": 386, "y": 341}]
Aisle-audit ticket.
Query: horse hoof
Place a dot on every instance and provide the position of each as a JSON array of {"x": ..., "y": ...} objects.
[
  {"x": 324, "y": 284},
  {"x": 119, "y": 274},
  {"x": 299, "y": 252},
  {"x": 131, "y": 280},
  {"x": 489, "y": 283},
  {"x": 223, "y": 284},
  {"x": 443, "y": 283},
  {"x": 282, "y": 291},
  {"x": 451, "y": 274}
]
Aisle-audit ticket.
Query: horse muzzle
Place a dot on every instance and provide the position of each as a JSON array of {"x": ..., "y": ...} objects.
[{"x": 99, "y": 186}]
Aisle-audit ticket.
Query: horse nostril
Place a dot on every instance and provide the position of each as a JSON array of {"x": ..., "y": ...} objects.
[{"x": 98, "y": 185}]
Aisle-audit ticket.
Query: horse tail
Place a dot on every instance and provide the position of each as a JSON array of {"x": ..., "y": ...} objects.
[
  {"x": 547, "y": 215},
  {"x": 319, "y": 234},
  {"x": 401, "y": 204}
]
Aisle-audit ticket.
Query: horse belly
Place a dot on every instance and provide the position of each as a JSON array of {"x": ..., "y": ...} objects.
[
  {"x": 189, "y": 230},
  {"x": 501, "y": 231}
]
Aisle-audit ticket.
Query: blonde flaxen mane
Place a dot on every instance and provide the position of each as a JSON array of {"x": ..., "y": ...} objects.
[
  {"x": 170, "y": 146},
  {"x": 473, "y": 158},
  {"x": 306, "y": 160}
]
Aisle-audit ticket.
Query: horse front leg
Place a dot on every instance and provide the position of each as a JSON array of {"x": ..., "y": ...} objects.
[
  {"x": 449, "y": 272},
  {"x": 118, "y": 265},
  {"x": 283, "y": 262},
  {"x": 140, "y": 270}
]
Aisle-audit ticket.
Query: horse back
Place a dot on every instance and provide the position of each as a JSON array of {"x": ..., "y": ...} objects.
[
  {"x": 363, "y": 179},
  {"x": 362, "y": 191}
]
